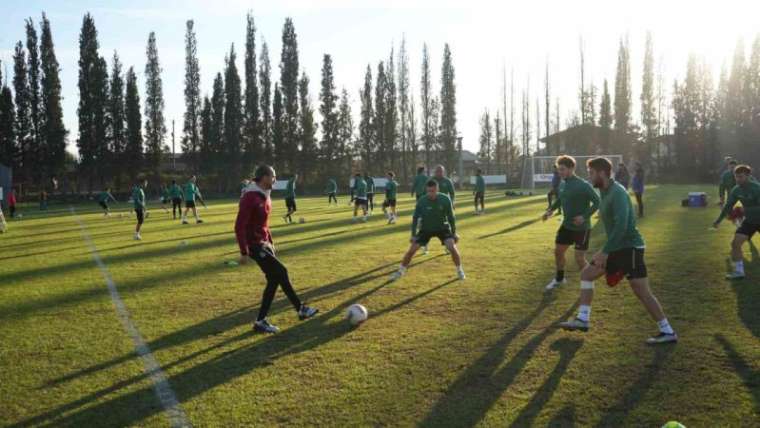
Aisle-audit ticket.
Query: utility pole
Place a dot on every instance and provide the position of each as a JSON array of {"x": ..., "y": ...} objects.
[{"x": 174, "y": 156}]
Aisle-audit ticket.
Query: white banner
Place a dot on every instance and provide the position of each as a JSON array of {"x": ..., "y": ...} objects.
[
  {"x": 490, "y": 179},
  {"x": 542, "y": 178}
]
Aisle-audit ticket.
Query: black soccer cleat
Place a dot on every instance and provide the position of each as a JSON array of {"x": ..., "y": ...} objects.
[
  {"x": 306, "y": 312},
  {"x": 263, "y": 326}
]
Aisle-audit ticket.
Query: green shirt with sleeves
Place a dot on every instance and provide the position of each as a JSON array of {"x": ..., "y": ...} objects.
[
  {"x": 138, "y": 197},
  {"x": 749, "y": 195},
  {"x": 391, "y": 188},
  {"x": 446, "y": 187},
  {"x": 332, "y": 186},
  {"x": 191, "y": 192},
  {"x": 434, "y": 215},
  {"x": 175, "y": 191},
  {"x": 727, "y": 182},
  {"x": 290, "y": 189},
  {"x": 616, "y": 211},
  {"x": 105, "y": 196},
  {"x": 480, "y": 183},
  {"x": 370, "y": 184},
  {"x": 577, "y": 198},
  {"x": 418, "y": 187},
  {"x": 360, "y": 188}
]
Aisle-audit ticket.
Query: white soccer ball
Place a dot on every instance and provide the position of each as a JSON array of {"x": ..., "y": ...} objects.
[{"x": 356, "y": 314}]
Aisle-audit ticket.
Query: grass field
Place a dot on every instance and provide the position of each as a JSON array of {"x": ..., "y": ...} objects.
[{"x": 435, "y": 351}]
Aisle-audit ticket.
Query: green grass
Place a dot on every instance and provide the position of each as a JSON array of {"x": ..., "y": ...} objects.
[{"x": 435, "y": 352}]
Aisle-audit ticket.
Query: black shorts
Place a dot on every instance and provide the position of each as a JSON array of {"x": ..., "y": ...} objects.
[
  {"x": 579, "y": 238},
  {"x": 177, "y": 201},
  {"x": 748, "y": 229},
  {"x": 628, "y": 262},
  {"x": 424, "y": 237},
  {"x": 290, "y": 204},
  {"x": 189, "y": 204},
  {"x": 164, "y": 200},
  {"x": 140, "y": 213},
  {"x": 389, "y": 203},
  {"x": 479, "y": 195},
  {"x": 360, "y": 203},
  {"x": 103, "y": 205}
]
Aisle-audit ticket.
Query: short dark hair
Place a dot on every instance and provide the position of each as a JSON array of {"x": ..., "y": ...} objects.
[
  {"x": 600, "y": 164},
  {"x": 357, "y": 175},
  {"x": 262, "y": 171},
  {"x": 174, "y": 181},
  {"x": 431, "y": 183},
  {"x": 566, "y": 161},
  {"x": 732, "y": 162},
  {"x": 479, "y": 171},
  {"x": 391, "y": 173},
  {"x": 743, "y": 169},
  {"x": 420, "y": 169}
]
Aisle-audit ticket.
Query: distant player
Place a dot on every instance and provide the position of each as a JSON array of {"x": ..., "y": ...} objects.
[
  {"x": 192, "y": 193},
  {"x": 12, "y": 203},
  {"x": 138, "y": 199},
  {"x": 370, "y": 192},
  {"x": 445, "y": 185},
  {"x": 622, "y": 254},
  {"x": 480, "y": 192},
  {"x": 638, "y": 187},
  {"x": 175, "y": 192},
  {"x": 255, "y": 241},
  {"x": 103, "y": 198},
  {"x": 332, "y": 190},
  {"x": 360, "y": 197},
  {"x": 391, "y": 188},
  {"x": 435, "y": 216},
  {"x": 622, "y": 176},
  {"x": 420, "y": 181},
  {"x": 290, "y": 199},
  {"x": 165, "y": 197},
  {"x": 747, "y": 192},
  {"x": 727, "y": 181},
  {"x": 3, "y": 224},
  {"x": 579, "y": 202}
]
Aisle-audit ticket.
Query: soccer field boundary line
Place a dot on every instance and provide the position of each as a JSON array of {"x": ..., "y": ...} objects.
[{"x": 161, "y": 386}]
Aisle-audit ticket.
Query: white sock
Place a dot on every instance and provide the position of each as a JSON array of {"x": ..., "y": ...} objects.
[
  {"x": 459, "y": 268},
  {"x": 739, "y": 266},
  {"x": 402, "y": 269},
  {"x": 665, "y": 326},
  {"x": 584, "y": 312}
]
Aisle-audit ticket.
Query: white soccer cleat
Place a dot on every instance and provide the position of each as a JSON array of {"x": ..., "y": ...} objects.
[
  {"x": 554, "y": 284},
  {"x": 460, "y": 274},
  {"x": 392, "y": 220},
  {"x": 138, "y": 237},
  {"x": 395, "y": 276}
]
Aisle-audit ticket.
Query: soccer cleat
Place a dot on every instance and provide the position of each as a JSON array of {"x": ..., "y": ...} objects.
[
  {"x": 395, "y": 276},
  {"x": 306, "y": 312},
  {"x": 576, "y": 324},
  {"x": 735, "y": 275},
  {"x": 460, "y": 274},
  {"x": 554, "y": 284},
  {"x": 263, "y": 326},
  {"x": 138, "y": 237},
  {"x": 199, "y": 221},
  {"x": 184, "y": 220},
  {"x": 663, "y": 338},
  {"x": 392, "y": 220}
]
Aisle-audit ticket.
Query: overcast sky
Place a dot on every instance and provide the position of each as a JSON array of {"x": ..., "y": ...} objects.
[{"x": 485, "y": 37}]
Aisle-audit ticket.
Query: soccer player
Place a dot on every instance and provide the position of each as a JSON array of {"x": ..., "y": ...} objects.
[
  {"x": 191, "y": 193},
  {"x": 622, "y": 254},
  {"x": 747, "y": 192},
  {"x": 290, "y": 199},
  {"x": 164, "y": 197},
  {"x": 255, "y": 241},
  {"x": 360, "y": 197},
  {"x": 370, "y": 191},
  {"x": 391, "y": 188},
  {"x": 138, "y": 198},
  {"x": 420, "y": 181},
  {"x": 12, "y": 203},
  {"x": 3, "y": 224},
  {"x": 332, "y": 190},
  {"x": 480, "y": 192},
  {"x": 727, "y": 181},
  {"x": 436, "y": 214},
  {"x": 579, "y": 202},
  {"x": 103, "y": 198},
  {"x": 175, "y": 192},
  {"x": 638, "y": 187},
  {"x": 445, "y": 185},
  {"x": 622, "y": 176}
]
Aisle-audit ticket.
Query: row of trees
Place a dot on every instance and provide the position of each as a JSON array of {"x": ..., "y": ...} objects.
[{"x": 32, "y": 133}]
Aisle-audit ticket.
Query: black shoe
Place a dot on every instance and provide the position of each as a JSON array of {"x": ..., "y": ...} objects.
[
  {"x": 263, "y": 326},
  {"x": 663, "y": 338},
  {"x": 306, "y": 312}
]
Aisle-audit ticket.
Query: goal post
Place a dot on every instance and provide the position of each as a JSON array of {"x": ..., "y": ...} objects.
[{"x": 541, "y": 168}]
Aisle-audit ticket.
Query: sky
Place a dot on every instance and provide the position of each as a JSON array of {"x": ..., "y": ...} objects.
[{"x": 486, "y": 38}]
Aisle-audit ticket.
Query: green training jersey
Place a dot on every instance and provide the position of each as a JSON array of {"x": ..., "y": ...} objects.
[
  {"x": 577, "y": 198},
  {"x": 290, "y": 189},
  {"x": 418, "y": 187},
  {"x": 138, "y": 197},
  {"x": 391, "y": 187},
  {"x": 727, "y": 182},
  {"x": 165, "y": 193},
  {"x": 480, "y": 183},
  {"x": 191, "y": 192},
  {"x": 104, "y": 196},
  {"x": 619, "y": 220},
  {"x": 434, "y": 215},
  {"x": 332, "y": 186},
  {"x": 749, "y": 195},
  {"x": 175, "y": 191},
  {"x": 360, "y": 188},
  {"x": 446, "y": 187},
  {"x": 370, "y": 184}
]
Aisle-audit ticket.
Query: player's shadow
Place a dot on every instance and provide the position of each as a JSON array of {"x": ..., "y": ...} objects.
[
  {"x": 474, "y": 392},
  {"x": 134, "y": 407},
  {"x": 564, "y": 418},
  {"x": 616, "y": 415},
  {"x": 749, "y": 376},
  {"x": 512, "y": 228},
  {"x": 567, "y": 349}
]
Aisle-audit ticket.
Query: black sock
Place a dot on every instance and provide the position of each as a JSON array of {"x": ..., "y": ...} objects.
[{"x": 560, "y": 275}]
